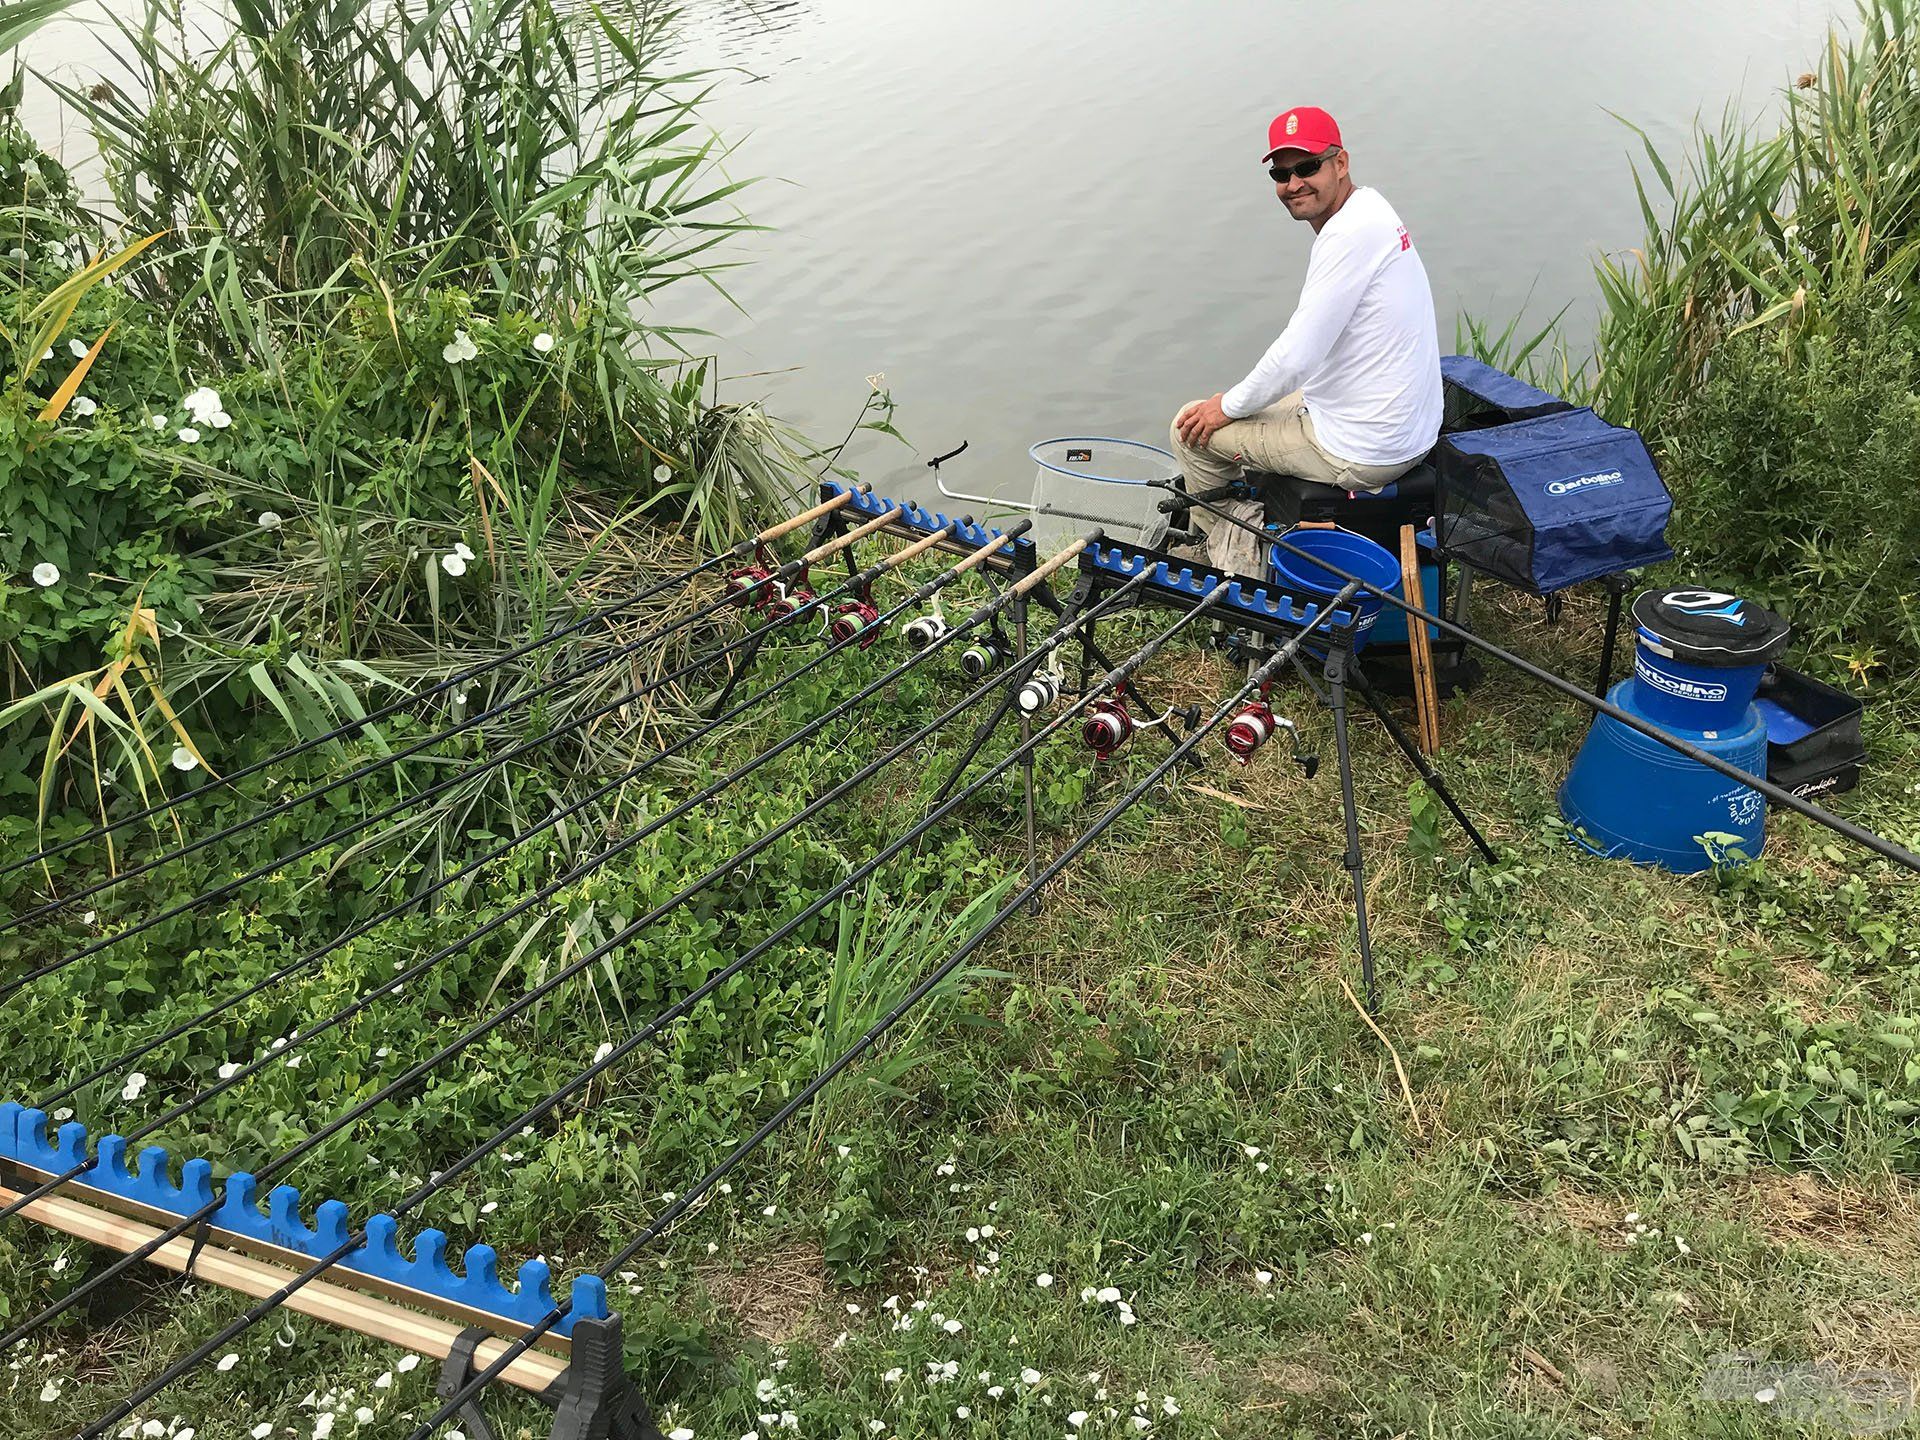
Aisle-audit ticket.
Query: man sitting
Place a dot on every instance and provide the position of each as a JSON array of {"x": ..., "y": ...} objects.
[{"x": 1349, "y": 395}]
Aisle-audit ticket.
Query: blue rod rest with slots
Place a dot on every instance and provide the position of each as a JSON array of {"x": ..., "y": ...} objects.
[
  {"x": 1265, "y": 603},
  {"x": 915, "y": 517},
  {"x": 476, "y": 1287}
]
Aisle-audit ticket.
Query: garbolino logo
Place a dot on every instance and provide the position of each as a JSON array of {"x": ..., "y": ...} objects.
[
  {"x": 1585, "y": 482},
  {"x": 1677, "y": 686},
  {"x": 1717, "y": 603}
]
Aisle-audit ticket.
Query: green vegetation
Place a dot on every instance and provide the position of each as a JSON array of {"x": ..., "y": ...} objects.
[{"x": 1144, "y": 1169}]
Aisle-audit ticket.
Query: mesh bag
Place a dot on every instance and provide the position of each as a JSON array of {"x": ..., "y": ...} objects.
[{"x": 1081, "y": 482}]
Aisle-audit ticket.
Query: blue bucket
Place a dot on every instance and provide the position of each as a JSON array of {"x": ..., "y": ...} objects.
[
  {"x": 1628, "y": 796},
  {"x": 1344, "y": 551},
  {"x": 1699, "y": 655}
]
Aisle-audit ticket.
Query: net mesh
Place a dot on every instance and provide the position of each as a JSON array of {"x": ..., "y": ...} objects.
[{"x": 1080, "y": 482}]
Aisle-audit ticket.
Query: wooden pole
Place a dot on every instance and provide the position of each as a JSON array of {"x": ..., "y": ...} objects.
[
  {"x": 1419, "y": 647},
  {"x": 334, "y": 1304}
]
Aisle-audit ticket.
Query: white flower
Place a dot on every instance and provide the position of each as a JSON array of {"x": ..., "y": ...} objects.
[
  {"x": 183, "y": 759},
  {"x": 1043, "y": 1280},
  {"x": 407, "y": 1363},
  {"x": 1029, "y": 1376},
  {"x": 606, "y": 1049},
  {"x": 543, "y": 342},
  {"x": 49, "y": 1392},
  {"x": 187, "y": 435},
  {"x": 269, "y": 520},
  {"x": 363, "y": 1416},
  {"x": 293, "y": 1061},
  {"x": 844, "y": 1150},
  {"x": 1107, "y": 1295},
  {"x": 994, "y": 1392},
  {"x": 136, "y": 1082},
  {"x": 156, "y": 422},
  {"x": 229, "y": 1070},
  {"x": 1077, "y": 1419},
  {"x": 262, "y": 1430},
  {"x": 769, "y": 1210},
  {"x": 893, "y": 1376},
  {"x": 152, "y": 1427},
  {"x": 973, "y": 1236},
  {"x": 453, "y": 565},
  {"x": 1367, "y": 1238},
  {"x": 220, "y": 420},
  {"x": 662, "y": 473},
  {"x": 952, "y": 1327},
  {"x": 227, "y": 1362},
  {"x": 77, "y": 348},
  {"x": 489, "y": 1207},
  {"x": 203, "y": 404},
  {"x": 323, "y": 1425},
  {"x": 680, "y": 1432},
  {"x": 961, "y": 1412},
  {"x": 1166, "y": 1404},
  {"x": 459, "y": 349},
  {"x": 1263, "y": 1277},
  {"x": 46, "y": 574},
  {"x": 383, "y": 1380},
  {"x": 461, "y": 549},
  {"x": 82, "y": 405},
  {"x": 1140, "y": 1422},
  {"x": 1766, "y": 1395}
]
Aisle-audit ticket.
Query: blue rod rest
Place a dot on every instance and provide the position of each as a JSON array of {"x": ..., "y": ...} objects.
[
  {"x": 870, "y": 507},
  {"x": 477, "y": 1286},
  {"x": 1273, "y": 606}
]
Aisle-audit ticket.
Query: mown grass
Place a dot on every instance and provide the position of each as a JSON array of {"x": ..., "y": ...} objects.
[{"x": 1454, "y": 1259}]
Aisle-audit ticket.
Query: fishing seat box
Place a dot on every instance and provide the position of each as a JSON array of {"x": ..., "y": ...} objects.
[{"x": 1814, "y": 744}]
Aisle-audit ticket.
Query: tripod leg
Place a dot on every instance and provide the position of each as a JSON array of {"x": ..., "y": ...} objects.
[
  {"x": 1420, "y": 762},
  {"x": 1337, "y": 682}
]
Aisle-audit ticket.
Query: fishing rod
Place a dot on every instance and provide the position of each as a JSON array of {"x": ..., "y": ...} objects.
[
  {"x": 680, "y": 1008},
  {"x": 492, "y": 1022},
  {"x": 791, "y": 616},
  {"x": 356, "y": 727},
  {"x": 848, "y": 1057},
  {"x": 932, "y": 587},
  {"x": 544, "y": 893},
  {"x": 1779, "y": 795}
]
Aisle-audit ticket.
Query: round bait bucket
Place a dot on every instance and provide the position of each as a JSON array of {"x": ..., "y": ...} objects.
[
  {"x": 1699, "y": 656},
  {"x": 1343, "y": 551}
]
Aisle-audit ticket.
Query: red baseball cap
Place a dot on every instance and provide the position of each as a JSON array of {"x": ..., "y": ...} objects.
[{"x": 1302, "y": 128}]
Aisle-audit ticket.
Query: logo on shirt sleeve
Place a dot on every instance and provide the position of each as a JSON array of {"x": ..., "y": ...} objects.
[{"x": 1406, "y": 240}]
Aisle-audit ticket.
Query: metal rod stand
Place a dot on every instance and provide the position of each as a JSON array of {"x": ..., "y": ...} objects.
[
  {"x": 1420, "y": 763},
  {"x": 1338, "y": 656}
]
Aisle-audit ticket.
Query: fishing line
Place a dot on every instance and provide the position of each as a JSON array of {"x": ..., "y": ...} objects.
[
  {"x": 690, "y": 1197},
  {"x": 409, "y": 803},
  {"x": 939, "y": 582},
  {"x": 1846, "y": 829},
  {"x": 508, "y": 1012},
  {"x": 738, "y": 552},
  {"x": 546, "y": 1106}
]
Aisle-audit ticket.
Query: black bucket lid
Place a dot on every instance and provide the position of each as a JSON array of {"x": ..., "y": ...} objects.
[{"x": 1709, "y": 627}]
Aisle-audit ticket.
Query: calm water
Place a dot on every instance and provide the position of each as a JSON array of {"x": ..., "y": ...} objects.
[{"x": 1047, "y": 219}]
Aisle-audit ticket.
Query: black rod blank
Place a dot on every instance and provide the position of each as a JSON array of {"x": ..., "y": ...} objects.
[
  {"x": 502, "y": 1136},
  {"x": 486, "y": 1026}
]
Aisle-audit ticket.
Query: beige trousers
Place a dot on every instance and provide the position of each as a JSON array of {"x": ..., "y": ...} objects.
[{"x": 1278, "y": 440}]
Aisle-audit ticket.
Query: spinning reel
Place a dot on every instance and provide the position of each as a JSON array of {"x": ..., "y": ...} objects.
[
  {"x": 1109, "y": 724},
  {"x": 1257, "y": 724},
  {"x": 985, "y": 656},
  {"x": 1041, "y": 692},
  {"x": 925, "y": 631},
  {"x": 854, "y": 618}
]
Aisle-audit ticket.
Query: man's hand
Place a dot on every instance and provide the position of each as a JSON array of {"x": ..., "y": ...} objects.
[{"x": 1198, "y": 420}]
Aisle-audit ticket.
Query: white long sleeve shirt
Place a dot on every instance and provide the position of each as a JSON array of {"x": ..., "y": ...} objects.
[{"x": 1362, "y": 343}]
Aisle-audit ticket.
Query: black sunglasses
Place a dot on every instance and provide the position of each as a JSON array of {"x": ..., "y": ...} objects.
[{"x": 1306, "y": 169}]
